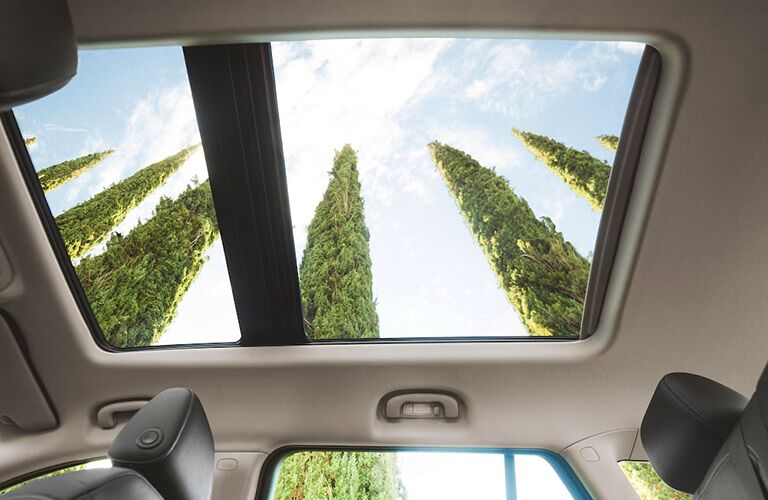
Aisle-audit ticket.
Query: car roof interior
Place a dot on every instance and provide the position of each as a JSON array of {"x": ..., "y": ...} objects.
[{"x": 686, "y": 291}]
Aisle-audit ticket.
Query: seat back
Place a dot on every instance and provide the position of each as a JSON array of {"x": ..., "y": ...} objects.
[
  {"x": 740, "y": 469},
  {"x": 687, "y": 421},
  {"x": 704, "y": 438},
  {"x": 164, "y": 452},
  {"x": 96, "y": 484}
]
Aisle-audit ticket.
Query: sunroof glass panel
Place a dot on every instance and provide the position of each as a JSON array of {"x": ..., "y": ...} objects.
[
  {"x": 117, "y": 152},
  {"x": 448, "y": 187}
]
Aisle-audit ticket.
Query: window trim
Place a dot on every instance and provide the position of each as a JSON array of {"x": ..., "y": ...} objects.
[
  {"x": 269, "y": 469},
  {"x": 620, "y": 185}
]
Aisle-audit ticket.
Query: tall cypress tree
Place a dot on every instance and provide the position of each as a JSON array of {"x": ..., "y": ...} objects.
[
  {"x": 586, "y": 175},
  {"x": 135, "y": 286},
  {"x": 340, "y": 475},
  {"x": 337, "y": 297},
  {"x": 56, "y": 175},
  {"x": 543, "y": 275},
  {"x": 336, "y": 279},
  {"x": 608, "y": 141},
  {"x": 86, "y": 224}
]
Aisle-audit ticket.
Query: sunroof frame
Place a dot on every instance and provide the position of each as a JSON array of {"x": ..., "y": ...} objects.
[
  {"x": 233, "y": 89},
  {"x": 620, "y": 184}
]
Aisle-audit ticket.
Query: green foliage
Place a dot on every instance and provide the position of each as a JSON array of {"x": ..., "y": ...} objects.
[
  {"x": 648, "y": 484},
  {"x": 30, "y": 140},
  {"x": 586, "y": 175},
  {"x": 608, "y": 141},
  {"x": 339, "y": 475},
  {"x": 85, "y": 225},
  {"x": 56, "y": 175},
  {"x": 66, "y": 470},
  {"x": 336, "y": 279},
  {"x": 135, "y": 286},
  {"x": 543, "y": 276}
]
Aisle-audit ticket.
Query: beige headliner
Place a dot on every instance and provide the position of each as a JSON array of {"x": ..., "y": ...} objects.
[{"x": 691, "y": 297}]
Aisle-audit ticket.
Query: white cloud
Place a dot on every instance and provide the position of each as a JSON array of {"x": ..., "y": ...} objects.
[
  {"x": 596, "y": 83},
  {"x": 349, "y": 91},
  {"x": 516, "y": 79},
  {"x": 635, "y": 48},
  {"x": 54, "y": 127},
  {"x": 159, "y": 126},
  {"x": 504, "y": 156},
  {"x": 557, "y": 206}
]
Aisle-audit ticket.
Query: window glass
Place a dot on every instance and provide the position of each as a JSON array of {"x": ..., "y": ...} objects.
[
  {"x": 535, "y": 479},
  {"x": 648, "y": 484},
  {"x": 117, "y": 152},
  {"x": 416, "y": 475},
  {"x": 438, "y": 187},
  {"x": 448, "y": 187},
  {"x": 96, "y": 464}
]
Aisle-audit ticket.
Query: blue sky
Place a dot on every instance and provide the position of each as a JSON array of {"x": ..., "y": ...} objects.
[{"x": 388, "y": 99}]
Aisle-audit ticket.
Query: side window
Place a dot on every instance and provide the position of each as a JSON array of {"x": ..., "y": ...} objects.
[
  {"x": 416, "y": 475},
  {"x": 95, "y": 464},
  {"x": 648, "y": 484}
]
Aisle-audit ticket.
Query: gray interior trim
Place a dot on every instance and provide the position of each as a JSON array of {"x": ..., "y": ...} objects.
[{"x": 23, "y": 403}]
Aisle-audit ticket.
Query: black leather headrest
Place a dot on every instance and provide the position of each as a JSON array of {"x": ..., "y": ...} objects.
[
  {"x": 688, "y": 419},
  {"x": 38, "y": 53},
  {"x": 169, "y": 442}
]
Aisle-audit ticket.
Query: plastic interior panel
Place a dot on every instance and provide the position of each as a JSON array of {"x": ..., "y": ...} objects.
[{"x": 22, "y": 401}]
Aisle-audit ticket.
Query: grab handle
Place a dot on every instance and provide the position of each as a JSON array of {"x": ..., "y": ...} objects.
[
  {"x": 106, "y": 417},
  {"x": 431, "y": 405}
]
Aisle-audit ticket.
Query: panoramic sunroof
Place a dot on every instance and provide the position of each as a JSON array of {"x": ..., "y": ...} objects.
[
  {"x": 448, "y": 187},
  {"x": 437, "y": 187}
]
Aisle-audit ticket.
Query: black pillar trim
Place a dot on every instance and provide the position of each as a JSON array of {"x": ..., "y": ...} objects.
[{"x": 233, "y": 88}]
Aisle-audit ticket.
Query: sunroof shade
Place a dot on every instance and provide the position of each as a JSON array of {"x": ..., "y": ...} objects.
[
  {"x": 448, "y": 187},
  {"x": 438, "y": 188},
  {"x": 117, "y": 152}
]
